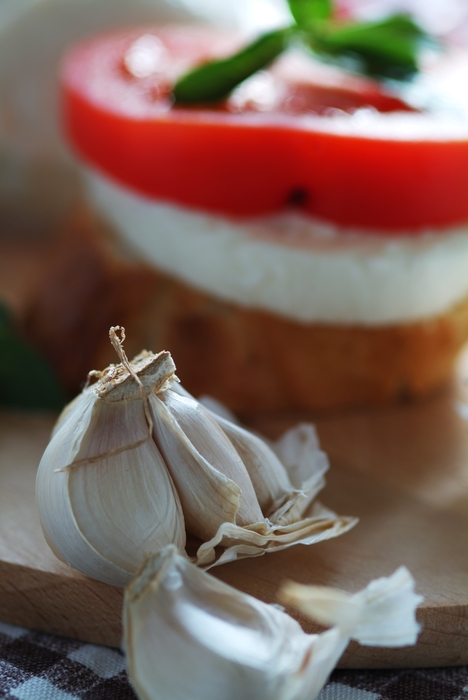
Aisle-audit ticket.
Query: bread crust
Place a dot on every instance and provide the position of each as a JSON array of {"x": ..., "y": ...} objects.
[{"x": 252, "y": 360}]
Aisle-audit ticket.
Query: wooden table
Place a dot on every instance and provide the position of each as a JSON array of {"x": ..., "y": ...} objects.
[{"x": 402, "y": 470}]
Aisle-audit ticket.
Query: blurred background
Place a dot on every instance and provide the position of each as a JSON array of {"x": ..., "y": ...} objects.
[
  {"x": 39, "y": 183},
  {"x": 37, "y": 180}
]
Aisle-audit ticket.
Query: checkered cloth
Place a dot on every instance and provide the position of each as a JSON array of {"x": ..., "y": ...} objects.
[{"x": 38, "y": 666}]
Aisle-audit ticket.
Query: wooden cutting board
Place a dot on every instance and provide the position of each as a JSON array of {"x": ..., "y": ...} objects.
[{"x": 403, "y": 471}]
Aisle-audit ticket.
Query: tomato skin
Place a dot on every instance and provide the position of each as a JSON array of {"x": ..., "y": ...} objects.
[{"x": 244, "y": 167}]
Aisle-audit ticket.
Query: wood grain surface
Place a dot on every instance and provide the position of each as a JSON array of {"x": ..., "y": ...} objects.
[{"x": 403, "y": 471}]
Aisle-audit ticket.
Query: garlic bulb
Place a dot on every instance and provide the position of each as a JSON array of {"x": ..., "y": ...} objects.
[
  {"x": 188, "y": 635},
  {"x": 136, "y": 463}
]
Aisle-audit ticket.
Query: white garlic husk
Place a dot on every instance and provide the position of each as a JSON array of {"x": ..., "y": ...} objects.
[
  {"x": 188, "y": 635},
  {"x": 105, "y": 497},
  {"x": 382, "y": 614},
  {"x": 136, "y": 463}
]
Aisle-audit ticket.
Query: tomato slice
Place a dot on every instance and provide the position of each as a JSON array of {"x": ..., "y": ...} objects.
[{"x": 337, "y": 147}]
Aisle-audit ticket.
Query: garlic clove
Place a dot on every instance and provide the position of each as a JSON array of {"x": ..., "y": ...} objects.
[
  {"x": 269, "y": 477},
  {"x": 104, "y": 494},
  {"x": 286, "y": 474},
  {"x": 141, "y": 511},
  {"x": 211, "y": 479},
  {"x": 293, "y": 519},
  {"x": 188, "y": 635},
  {"x": 204, "y": 434}
]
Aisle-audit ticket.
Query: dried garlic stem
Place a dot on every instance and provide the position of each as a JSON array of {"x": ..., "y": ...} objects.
[{"x": 117, "y": 344}]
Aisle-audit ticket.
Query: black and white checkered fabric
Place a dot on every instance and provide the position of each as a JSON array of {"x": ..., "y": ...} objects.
[{"x": 38, "y": 666}]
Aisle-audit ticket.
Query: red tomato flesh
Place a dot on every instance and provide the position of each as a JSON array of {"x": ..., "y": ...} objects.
[{"x": 247, "y": 157}]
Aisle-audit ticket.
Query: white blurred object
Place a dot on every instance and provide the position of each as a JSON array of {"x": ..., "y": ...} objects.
[
  {"x": 38, "y": 181},
  {"x": 33, "y": 36},
  {"x": 439, "y": 17},
  {"x": 247, "y": 15}
]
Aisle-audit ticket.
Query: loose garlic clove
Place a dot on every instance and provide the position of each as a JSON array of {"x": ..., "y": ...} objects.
[
  {"x": 104, "y": 494},
  {"x": 188, "y": 635}
]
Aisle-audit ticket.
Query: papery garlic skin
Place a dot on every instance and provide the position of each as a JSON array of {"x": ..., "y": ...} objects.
[
  {"x": 105, "y": 497},
  {"x": 364, "y": 615},
  {"x": 188, "y": 635},
  {"x": 383, "y": 614}
]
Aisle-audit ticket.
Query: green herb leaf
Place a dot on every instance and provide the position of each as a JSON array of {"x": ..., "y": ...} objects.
[
  {"x": 215, "y": 80},
  {"x": 387, "y": 48},
  {"x": 26, "y": 380},
  {"x": 308, "y": 12}
]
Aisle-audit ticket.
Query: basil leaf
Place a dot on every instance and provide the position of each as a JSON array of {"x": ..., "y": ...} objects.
[
  {"x": 308, "y": 12},
  {"x": 26, "y": 380},
  {"x": 215, "y": 80},
  {"x": 387, "y": 48}
]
